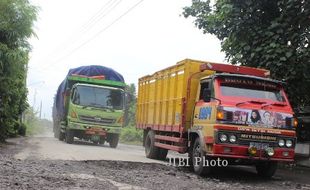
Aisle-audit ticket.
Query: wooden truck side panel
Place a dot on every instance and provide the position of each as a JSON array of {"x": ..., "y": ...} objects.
[{"x": 162, "y": 102}]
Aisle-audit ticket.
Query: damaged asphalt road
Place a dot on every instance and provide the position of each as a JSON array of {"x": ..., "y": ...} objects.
[{"x": 35, "y": 173}]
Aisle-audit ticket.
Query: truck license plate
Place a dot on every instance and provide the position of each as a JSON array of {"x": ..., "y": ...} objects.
[{"x": 259, "y": 146}]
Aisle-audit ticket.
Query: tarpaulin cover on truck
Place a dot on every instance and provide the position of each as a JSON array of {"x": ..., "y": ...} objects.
[{"x": 91, "y": 70}]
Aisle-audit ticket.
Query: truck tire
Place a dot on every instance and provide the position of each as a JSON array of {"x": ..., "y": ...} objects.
[
  {"x": 196, "y": 154},
  {"x": 56, "y": 129},
  {"x": 114, "y": 138},
  {"x": 102, "y": 141},
  {"x": 266, "y": 169},
  {"x": 151, "y": 151},
  {"x": 61, "y": 136},
  {"x": 302, "y": 134},
  {"x": 162, "y": 154},
  {"x": 69, "y": 137}
]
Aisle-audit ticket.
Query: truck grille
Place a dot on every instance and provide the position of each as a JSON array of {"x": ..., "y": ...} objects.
[
  {"x": 99, "y": 120},
  {"x": 243, "y": 141},
  {"x": 246, "y": 138}
]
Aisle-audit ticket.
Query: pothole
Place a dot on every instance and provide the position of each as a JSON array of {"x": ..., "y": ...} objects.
[{"x": 120, "y": 186}]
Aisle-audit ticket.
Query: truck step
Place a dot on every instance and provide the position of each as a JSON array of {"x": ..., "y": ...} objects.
[
  {"x": 171, "y": 139},
  {"x": 180, "y": 149}
]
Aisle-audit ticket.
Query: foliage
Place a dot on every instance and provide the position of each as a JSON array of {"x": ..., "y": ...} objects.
[
  {"x": 131, "y": 89},
  {"x": 131, "y": 134},
  {"x": 265, "y": 34},
  {"x": 34, "y": 125},
  {"x": 16, "y": 18}
]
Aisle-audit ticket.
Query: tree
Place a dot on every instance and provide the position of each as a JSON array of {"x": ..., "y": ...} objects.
[
  {"x": 131, "y": 89},
  {"x": 266, "y": 34},
  {"x": 16, "y": 18}
]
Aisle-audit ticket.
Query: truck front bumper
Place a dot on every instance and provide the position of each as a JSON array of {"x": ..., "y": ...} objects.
[
  {"x": 241, "y": 152},
  {"x": 93, "y": 128}
]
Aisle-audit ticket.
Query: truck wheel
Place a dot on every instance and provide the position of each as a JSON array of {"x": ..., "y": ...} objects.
[
  {"x": 69, "y": 137},
  {"x": 56, "y": 129},
  {"x": 162, "y": 154},
  {"x": 61, "y": 136},
  {"x": 102, "y": 141},
  {"x": 114, "y": 140},
  {"x": 302, "y": 135},
  {"x": 151, "y": 151},
  {"x": 197, "y": 159},
  {"x": 266, "y": 169}
]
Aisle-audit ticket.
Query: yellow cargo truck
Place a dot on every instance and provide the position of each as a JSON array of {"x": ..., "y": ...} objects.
[{"x": 213, "y": 111}]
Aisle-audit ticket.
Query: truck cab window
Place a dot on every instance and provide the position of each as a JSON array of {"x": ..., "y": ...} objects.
[
  {"x": 205, "y": 91},
  {"x": 75, "y": 96}
]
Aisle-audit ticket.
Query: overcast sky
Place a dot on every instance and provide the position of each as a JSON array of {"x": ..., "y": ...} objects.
[{"x": 133, "y": 37}]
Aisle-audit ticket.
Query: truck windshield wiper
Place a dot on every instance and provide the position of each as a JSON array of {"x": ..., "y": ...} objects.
[
  {"x": 275, "y": 104},
  {"x": 108, "y": 107},
  {"x": 99, "y": 106},
  {"x": 251, "y": 101},
  {"x": 105, "y": 107}
]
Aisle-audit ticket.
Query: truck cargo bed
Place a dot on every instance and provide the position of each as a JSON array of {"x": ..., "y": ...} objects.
[{"x": 167, "y": 97}]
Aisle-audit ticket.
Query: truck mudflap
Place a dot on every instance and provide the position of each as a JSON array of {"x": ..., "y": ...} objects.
[
  {"x": 242, "y": 152},
  {"x": 95, "y": 131}
]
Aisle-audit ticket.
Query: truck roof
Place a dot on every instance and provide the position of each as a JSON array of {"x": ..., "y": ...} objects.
[
  {"x": 236, "y": 69},
  {"x": 96, "y": 81},
  {"x": 201, "y": 66}
]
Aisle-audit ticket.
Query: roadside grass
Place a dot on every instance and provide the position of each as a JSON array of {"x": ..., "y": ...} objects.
[
  {"x": 37, "y": 126},
  {"x": 34, "y": 128},
  {"x": 131, "y": 135}
]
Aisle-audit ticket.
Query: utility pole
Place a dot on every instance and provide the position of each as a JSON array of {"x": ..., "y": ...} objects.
[
  {"x": 34, "y": 99},
  {"x": 40, "y": 109}
]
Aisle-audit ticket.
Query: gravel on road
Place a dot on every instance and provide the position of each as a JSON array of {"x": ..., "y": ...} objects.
[{"x": 107, "y": 174}]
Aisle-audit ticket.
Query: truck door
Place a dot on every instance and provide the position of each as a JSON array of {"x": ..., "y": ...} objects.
[
  {"x": 203, "y": 107},
  {"x": 204, "y": 113}
]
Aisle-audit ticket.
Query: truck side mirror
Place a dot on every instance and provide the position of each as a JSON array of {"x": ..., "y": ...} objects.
[{"x": 206, "y": 94}]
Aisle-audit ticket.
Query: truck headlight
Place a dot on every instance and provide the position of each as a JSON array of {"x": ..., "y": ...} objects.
[
  {"x": 232, "y": 138},
  {"x": 223, "y": 137},
  {"x": 269, "y": 151},
  {"x": 289, "y": 143},
  {"x": 281, "y": 142}
]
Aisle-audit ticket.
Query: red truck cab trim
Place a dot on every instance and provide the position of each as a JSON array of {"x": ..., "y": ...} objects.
[
  {"x": 256, "y": 129},
  {"x": 234, "y": 69}
]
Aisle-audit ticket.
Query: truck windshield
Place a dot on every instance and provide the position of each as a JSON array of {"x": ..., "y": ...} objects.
[
  {"x": 98, "y": 97},
  {"x": 251, "y": 88}
]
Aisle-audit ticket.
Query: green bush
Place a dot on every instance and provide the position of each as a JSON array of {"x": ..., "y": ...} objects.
[
  {"x": 17, "y": 18},
  {"x": 17, "y": 129},
  {"x": 34, "y": 127},
  {"x": 131, "y": 134}
]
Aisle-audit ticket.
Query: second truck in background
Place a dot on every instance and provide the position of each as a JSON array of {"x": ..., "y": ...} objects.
[{"x": 90, "y": 104}]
